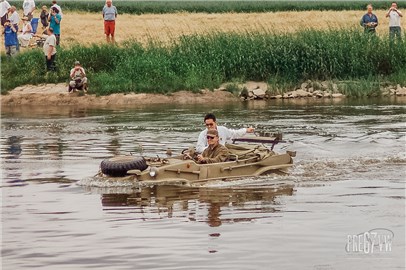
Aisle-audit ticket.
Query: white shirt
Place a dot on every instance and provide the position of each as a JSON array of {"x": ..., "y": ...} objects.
[
  {"x": 28, "y": 5},
  {"x": 80, "y": 73},
  {"x": 14, "y": 18},
  {"x": 394, "y": 18},
  {"x": 226, "y": 135},
  {"x": 4, "y": 6},
  {"x": 50, "y": 41},
  {"x": 58, "y": 8}
]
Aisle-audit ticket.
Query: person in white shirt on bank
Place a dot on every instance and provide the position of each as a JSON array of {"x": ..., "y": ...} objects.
[
  {"x": 225, "y": 135},
  {"x": 394, "y": 21},
  {"x": 28, "y": 9}
]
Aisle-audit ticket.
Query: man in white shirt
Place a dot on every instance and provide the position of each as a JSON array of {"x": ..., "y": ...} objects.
[
  {"x": 4, "y": 7},
  {"x": 49, "y": 50},
  {"x": 394, "y": 21},
  {"x": 225, "y": 135},
  {"x": 28, "y": 8}
]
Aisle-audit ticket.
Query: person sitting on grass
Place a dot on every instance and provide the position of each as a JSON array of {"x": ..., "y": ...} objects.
[
  {"x": 215, "y": 152},
  {"x": 26, "y": 35},
  {"x": 10, "y": 38},
  {"x": 79, "y": 80}
]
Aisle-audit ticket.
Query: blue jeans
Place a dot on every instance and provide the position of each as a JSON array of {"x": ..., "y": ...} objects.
[{"x": 395, "y": 31}]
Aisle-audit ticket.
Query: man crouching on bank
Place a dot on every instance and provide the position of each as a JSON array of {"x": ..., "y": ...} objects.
[{"x": 215, "y": 152}]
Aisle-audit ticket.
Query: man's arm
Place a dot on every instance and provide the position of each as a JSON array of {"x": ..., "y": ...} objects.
[
  {"x": 50, "y": 50},
  {"x": 201, "y": 142}
]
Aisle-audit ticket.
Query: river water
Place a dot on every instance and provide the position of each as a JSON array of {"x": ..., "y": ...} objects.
[{"x": 341, "y": 207}]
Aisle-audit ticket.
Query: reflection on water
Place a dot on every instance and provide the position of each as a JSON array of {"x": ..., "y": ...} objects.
[
  {"x": 348, "y": 177},
  {"x": 166, "y": 200}
]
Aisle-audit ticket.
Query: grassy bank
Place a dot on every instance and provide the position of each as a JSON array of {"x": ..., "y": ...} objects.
[
  {"x": 143, "y": 7},
  {"x": 205, "y": 61}
]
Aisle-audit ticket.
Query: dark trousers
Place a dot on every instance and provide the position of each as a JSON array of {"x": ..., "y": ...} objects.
[
  {"x": 51, "y": 63},
  {"x": 3, "y": 19},
  {"x": 395, "y": 31},
  {"x": 58, "y": 39}
]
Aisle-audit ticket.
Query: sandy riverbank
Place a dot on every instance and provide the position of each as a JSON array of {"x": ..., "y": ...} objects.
[{"x": 57, "y": 94}]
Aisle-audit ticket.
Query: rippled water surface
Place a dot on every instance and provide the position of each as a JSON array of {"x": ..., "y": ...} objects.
[{"x": 341, "y": 207}]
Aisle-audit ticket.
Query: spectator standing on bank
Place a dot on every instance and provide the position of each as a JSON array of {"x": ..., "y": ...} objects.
[
  {"x": 369, "y": 21},
  {"x": 4, "y": 9},
  {"x": 394, "y": 21},
  {"x": 28, "y": 8},
  {"x": 44, "y": 17},
  {"x": 54, "y": 4},
  {"x": 49, "y": 50},
  {"x": 55, "y": 24},
  {"x": 10, "y": 38},
  {"x": 109, "y": 16},
  {"x": 14, "y": 17}
]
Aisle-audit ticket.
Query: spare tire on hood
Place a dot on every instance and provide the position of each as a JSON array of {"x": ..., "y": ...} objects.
[{"x": 118, "y": 166}]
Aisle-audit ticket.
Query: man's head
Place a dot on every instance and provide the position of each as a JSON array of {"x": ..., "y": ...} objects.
[
  {"x": 394, "y": 5},
  {"x": 210, "y": 121},
  {"x": 44, "y": 8},
  {"x": 212, "y": 137},
  {"x": 108, "y": 3},
  {"x": 50, "y": 31},
  {"x": 369, "y": 8},
  {"x": 54, "y": 10},
  {"x": 7, "y": 22},
  {"x": 53, "y": 2},
  {"x": 12, "y": 9},
  {"x": 77, "y": 64}
]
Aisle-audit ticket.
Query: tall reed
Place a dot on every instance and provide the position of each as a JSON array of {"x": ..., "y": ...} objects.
[{"x": 205, "y": 61}]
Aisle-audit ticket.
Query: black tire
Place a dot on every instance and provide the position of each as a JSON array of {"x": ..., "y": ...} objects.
[{"x": 118, "y": 166}]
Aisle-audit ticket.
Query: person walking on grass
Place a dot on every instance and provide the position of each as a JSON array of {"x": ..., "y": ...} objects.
[
  {"x": 394, "y": 21},
  {"x": 369, "y": 21},
  {"x": 49, "y": 50},
  {"x": 109, "y": 16},
  {"x": 55, "y": 24}
]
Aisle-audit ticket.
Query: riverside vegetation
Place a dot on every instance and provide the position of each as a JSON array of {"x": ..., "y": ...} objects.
[{"x": 363, "y": 64}]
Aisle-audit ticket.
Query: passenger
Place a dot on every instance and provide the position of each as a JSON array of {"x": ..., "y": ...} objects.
[
  {"x": 225, "y": 134},
  {"x": 369, "y": 21},
  {"x": 79, "y": 80},
  {"x": 215, "y": 152}
]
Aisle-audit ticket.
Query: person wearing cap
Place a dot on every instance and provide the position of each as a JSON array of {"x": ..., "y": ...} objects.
[
  {"x": 109, "y": 16},
  {"x": 78, "y": 76},
  {"x": 10, "y": 38},
  {"x": 26, "y": 35},
  {"x": 49, "y": 50},
  {"x": 225, "y": 135},
  {"x": 215, "y": 152}
]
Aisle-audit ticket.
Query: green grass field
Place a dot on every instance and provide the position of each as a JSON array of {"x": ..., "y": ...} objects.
[
  {"x": 196, "y": 62},
  {"x": 141, "y": 7}
]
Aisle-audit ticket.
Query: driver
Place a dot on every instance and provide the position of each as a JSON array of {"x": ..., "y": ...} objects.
[{"x": 215, "y": 152}]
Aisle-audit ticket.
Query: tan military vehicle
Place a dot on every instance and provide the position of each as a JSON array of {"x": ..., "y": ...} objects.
[{"x": 245, "y": 160}]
